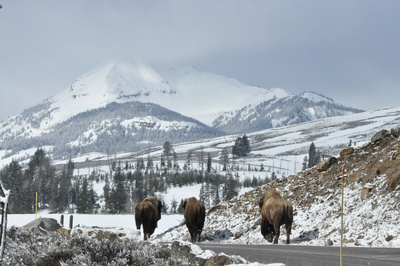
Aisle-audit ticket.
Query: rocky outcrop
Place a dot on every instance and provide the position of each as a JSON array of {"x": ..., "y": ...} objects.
[
  {"x": 48, "y": 224},
  {"x": 347, "y": 151},
  {"x": 379, "y": 135},
  {"x": 195, "y": 256},
  {"x": 325, "y": 164}
]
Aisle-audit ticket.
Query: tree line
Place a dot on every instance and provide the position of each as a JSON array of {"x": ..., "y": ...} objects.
[
  {"x": 58, "y": 191},
  {"x": 125, "y": 185}
]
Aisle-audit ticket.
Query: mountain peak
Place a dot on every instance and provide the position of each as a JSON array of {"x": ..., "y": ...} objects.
[
  {"x": 121, "y": 80},
  {"x": 116, "y": 82},
  {"x": 133, "y": 79},
  {"x": 315, "y": 97}
]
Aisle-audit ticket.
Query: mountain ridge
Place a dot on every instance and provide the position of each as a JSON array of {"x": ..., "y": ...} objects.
[{"x": 221, "y": 105}]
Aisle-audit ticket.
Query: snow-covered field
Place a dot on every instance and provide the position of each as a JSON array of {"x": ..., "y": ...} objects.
[{"x": 118, "y": 222}]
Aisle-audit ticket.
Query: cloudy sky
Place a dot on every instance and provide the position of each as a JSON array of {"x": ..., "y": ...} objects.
[{"x": 346, "y": 50}]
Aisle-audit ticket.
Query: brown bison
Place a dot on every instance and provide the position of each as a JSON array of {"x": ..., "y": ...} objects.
[
  {"x": 275, "y": 211},
  {"x": 147, "y": 213},
  {"x": 195, "y": 213}
]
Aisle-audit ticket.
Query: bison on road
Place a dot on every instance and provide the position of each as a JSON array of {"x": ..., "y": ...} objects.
[
  {"x": 195, "y": 214},
  {"x": 275, "y": 211},
  {"x": 147, "y": 213}
]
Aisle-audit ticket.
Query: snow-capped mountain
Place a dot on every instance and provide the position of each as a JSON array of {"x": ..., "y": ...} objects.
[
  {"x": 133, "y": 102},
  {"x": 277, "y": 112},
  {"x": 114, "y": 128}
]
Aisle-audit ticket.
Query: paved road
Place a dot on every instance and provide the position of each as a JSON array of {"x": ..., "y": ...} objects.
[{"x": 310, "y": 255}]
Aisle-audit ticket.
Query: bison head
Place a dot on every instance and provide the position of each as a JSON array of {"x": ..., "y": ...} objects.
[
  {"x": 160, "y": 206},
  {"x": 184, "y": 204},
  {"x": 269, "y": 233},
  {"x": 261, "y": 202}
]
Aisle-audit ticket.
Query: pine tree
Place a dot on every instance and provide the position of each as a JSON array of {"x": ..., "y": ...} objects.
[
  {"x": 273, "y": 176},
  {"x": 224, "y": 159},
  {"x": 314, "y": 156},
  {"x": 205, "y": 194},
  {"x": 118, "y": 196},
  {"x": 174, "y": 205},
  {"x": 241, "y": 147},
  {"x": 236, "y": 148},
  {"x": 231, "y": 188},
  {"x": 150, "y": 163},
  {"x": 305, "y": 163},
  {"x": 93, "y": 198},
  {"x": 246, "y": 145},
  {"x": 82, "y": 202},
  {"x": 176, "y": 165},
  {"x": 209, "y": 163},
  {"x": 12, "y": 178},
  {"x": 311, "y": 155},
  {"x": 65, "y": 186},
  {"x": 189, "y": 159},
  {"x": 167, "y": 152},
  {"x": 201, "y": 160},
  {"x": 216, "y": 199},
  {"x": 106, "y": 194}
]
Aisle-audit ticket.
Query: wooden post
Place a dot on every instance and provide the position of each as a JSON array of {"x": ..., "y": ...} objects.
[
  {"x": 4, "y": 196},
  {"x": 71, "y": 221},
  {"x": 36, "y": 207},
  {"x": 341, "y": 222}
]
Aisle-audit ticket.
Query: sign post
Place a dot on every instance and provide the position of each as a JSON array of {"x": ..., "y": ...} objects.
[
  {"x": 341, "y": 222},
  {"x": 36, "y": 207}
]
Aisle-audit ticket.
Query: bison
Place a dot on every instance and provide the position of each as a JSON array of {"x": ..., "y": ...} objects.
[
  {"x": 147, "y": 213},
  {"x": 195, "y": 213},
  {"x": 275, "y": 211}
]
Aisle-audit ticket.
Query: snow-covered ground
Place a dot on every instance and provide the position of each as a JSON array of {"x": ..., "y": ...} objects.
[
  {"x": 125, "y": 222},
  {"x": 120, "y": 225}
]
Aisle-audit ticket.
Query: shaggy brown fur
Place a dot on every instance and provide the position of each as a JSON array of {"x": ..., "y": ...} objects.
[
  {"x": 195, "y": 214},
  {"x": 147, "y": 213},
  {"x": 275, "y": 211}
]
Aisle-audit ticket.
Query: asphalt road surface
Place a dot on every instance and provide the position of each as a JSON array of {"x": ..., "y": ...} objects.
[{"x": 309, "y": 255}]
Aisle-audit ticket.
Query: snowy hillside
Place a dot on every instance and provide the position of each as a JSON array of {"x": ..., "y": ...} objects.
[
  {"x": 371, "y": 202},
  {"x": 281, "y": 111},
  {"x": 117, "y": 127},
  {"x": 288, "y": 144},
  {"x": 278, "y": 150}
]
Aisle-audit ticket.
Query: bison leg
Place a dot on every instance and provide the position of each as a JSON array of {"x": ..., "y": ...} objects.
[
  {"x": 288, "y": 231},
  {"x": 277, "y": 233},
  {"x": 192, "y": 232},
  {"x": 148, "y": 229},
  {"x": 138, "y": 221},
  {"x": 145, "y": 231},
  {"x": 193, "y": 235},
  {"x": 198, "y": 235}
]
